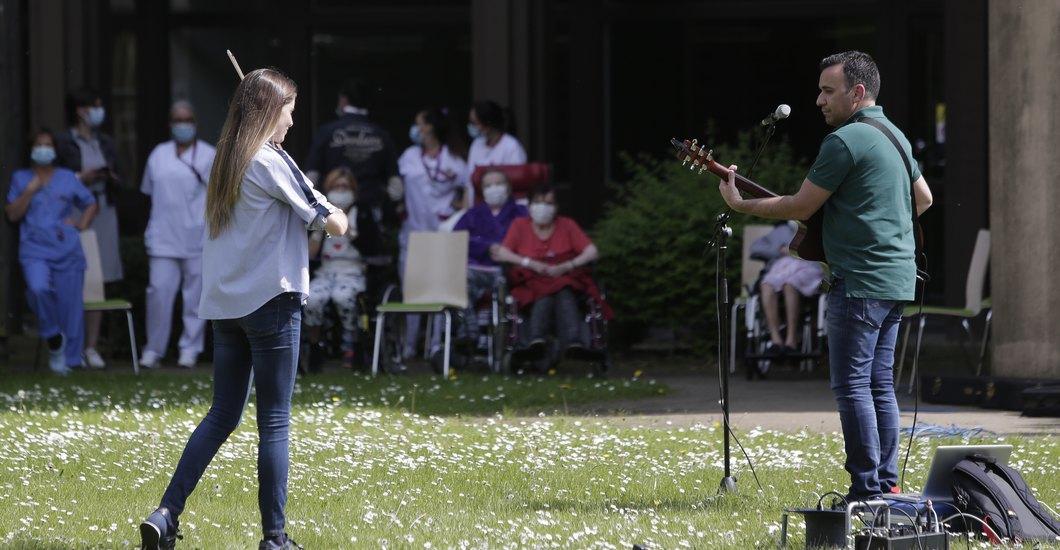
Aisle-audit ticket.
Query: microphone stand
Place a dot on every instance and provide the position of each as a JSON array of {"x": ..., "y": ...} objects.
[{"x": 722, "y": 232}]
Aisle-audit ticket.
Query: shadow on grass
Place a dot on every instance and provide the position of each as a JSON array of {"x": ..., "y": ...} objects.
[{"x": 465, "y": 395}]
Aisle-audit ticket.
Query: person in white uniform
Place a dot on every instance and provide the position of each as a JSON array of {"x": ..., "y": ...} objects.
[
  {"x": 175, "y": 178},
  {"x": 492, "y": 144},
  {"x": 255, "y": 276},
  {"x": 431, "y": 170}
]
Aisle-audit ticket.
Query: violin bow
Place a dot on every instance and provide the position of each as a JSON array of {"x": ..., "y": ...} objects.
[{"x": 235, "y": 64}]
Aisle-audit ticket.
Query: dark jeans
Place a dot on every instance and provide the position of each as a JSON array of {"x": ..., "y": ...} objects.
[
  {"x": 265, "y": 344},
  {"x": 561, "y": 307},
  {"x": 861, "y": 338}
]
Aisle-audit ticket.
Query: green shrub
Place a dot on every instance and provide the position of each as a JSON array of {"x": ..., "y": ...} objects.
[{"x": 653, "y": 237}]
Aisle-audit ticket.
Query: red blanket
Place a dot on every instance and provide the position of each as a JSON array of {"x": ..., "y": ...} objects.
[{"x": 527, "y": 286}]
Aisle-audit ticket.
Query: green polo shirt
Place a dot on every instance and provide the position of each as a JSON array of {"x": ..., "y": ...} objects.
[{"x": 868, "y": 228}]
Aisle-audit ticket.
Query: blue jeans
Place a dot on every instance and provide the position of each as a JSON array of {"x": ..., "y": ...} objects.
[
  {"x": 264, "y": 343},
  {"x": 861, "y": 338}
]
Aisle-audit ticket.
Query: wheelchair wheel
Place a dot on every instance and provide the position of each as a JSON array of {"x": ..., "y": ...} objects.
[
  {"x": 601, "y": 367},
  {"x": 391, "y": 360}
]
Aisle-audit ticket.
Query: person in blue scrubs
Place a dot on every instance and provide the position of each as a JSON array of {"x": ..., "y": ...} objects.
[{"x": 42, "y": 199}]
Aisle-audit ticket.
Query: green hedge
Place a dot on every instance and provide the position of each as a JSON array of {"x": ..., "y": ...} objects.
[{"x": 653, "y": 236}]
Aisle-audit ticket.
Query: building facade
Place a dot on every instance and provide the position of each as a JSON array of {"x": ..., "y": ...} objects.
[{"x": 584, "y": 80}]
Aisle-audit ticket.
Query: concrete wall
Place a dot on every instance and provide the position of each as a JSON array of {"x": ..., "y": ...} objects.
[{"x": 1024, "y": 46}]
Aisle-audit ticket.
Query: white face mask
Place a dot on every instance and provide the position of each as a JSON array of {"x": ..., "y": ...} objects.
[
  {"x": 495, "y": 195},
  {"x": 542, "y": 213},
  {"x": 341, "y": 198}
]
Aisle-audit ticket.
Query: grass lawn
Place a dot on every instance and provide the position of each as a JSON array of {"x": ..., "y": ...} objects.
[{"x": 411, "y": 462}]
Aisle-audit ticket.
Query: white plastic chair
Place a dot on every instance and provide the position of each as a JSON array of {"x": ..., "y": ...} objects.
[
  {"x": 974, "y": 303},
  {"x": 435, "y": 282}
]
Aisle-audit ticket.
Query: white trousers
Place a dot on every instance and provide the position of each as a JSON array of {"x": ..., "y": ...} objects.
[
  {"x": 340, "y": 288},
  {"x": 167, "y": 276}
]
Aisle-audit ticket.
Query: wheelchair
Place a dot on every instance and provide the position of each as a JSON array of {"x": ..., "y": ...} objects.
[
  {"x": 757, "y": 360},
  {"x": 377, "y": 272},
  {"x": 592, "y": 332}
]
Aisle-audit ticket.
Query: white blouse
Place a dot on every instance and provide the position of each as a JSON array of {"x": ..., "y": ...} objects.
[{"x": 265, "y": 250}]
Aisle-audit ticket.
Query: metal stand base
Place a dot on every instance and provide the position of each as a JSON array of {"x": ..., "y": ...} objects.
[{"x": 728, "y": 485}]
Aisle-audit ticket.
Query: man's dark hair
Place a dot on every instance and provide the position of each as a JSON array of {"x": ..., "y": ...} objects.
[
  {"x": 353, "y": 91},
  {"x": 858, "y": 68}
]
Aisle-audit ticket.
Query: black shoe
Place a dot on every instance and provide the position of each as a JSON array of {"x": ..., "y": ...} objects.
[
  {"x": 279, "y": 543},
  {"x": 533, "y": 352},
  {"x": 317, "y": 355},
  {"x": 774, "y": 350},
  {"x": 159, "y": 531},
  {"x": 578, "y": 352}
]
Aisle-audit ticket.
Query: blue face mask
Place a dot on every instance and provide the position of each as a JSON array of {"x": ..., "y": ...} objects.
[
  {"x": 43, "y": 154},
  {"x": 415, "y": 135},
  {"x": 95, "y": 116},
  {"x": 473, "y": 131},
  {"x": 183, "y": 132}
]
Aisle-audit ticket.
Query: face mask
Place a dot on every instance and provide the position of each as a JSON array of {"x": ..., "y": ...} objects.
[
  {"x": 341, "y": 198},
  {"x": 95, "y": 116},
  {"x": 542, "y": 213},
  {"x": 415, "y": 135},
  {"x": 183, "y": 132},
  {"x": 495, "y": 195},
  {"x": 473, "y": 131},
  {"x": 43, "y": 154}
]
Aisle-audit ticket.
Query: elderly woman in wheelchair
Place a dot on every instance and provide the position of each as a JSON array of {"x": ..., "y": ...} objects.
[
  {"x": 549, "y": 257},
  {"x": 486, "y": 224},
  {"x": 787, "y": 275},
  {"x": 340, "y": 279}
]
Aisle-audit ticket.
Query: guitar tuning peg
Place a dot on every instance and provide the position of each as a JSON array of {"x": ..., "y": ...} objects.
[
  {"x": 702, "y": 168},
  {"x": 684, "y": 162},
  {"x": 695, "y": 141}
]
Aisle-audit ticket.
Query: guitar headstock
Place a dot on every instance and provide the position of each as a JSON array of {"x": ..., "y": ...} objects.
[{"x": 692, "y": 152}]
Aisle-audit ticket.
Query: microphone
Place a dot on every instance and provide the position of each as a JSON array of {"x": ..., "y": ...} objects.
[{"x": 783, "y": 111}]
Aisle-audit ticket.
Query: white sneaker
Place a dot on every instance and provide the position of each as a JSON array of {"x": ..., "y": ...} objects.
[
  {"x": 188, "y": 358},
  {"x": 57, "y": 359},
  {"x": 93, "y": 359},
  {"x": 149, "y": 360}
]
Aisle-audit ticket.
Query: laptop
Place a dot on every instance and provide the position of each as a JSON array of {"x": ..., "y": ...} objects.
[{"x": 938, "y": 486}]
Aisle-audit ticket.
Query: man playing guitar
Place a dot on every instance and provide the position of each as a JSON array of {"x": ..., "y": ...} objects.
[{"x": 862, "y": 182}]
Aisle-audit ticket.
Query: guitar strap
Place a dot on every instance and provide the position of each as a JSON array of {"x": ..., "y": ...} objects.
[
  {"x": 321, "y": 210},
  {"x": 921, "y": 258}
]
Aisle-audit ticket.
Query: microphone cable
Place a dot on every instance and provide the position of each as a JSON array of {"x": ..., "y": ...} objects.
[
  {"x": 721, "y": 342},
  {"x": 916, "y": 362}
]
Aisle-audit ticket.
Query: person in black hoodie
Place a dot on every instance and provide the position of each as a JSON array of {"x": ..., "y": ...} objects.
[{"x": 353, "y": 140}]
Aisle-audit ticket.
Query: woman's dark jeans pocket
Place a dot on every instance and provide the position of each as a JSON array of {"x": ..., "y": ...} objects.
[{"x": 274, "y": 316}]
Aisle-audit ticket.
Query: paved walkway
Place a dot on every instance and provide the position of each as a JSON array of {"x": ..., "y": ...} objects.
[{"x": 791, "y": 405}]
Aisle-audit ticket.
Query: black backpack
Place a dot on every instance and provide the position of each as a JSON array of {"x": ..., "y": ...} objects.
[{"x": 999, "y": 496}]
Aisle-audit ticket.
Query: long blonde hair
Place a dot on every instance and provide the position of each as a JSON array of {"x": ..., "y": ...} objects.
[{"x": 251, "y": 121}]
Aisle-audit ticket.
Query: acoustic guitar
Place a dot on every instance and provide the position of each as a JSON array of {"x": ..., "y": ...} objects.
[{"x": 807, "y": 244}]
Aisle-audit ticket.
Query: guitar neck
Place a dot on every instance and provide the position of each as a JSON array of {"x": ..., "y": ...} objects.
[{"x": 742, "y": 183}]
